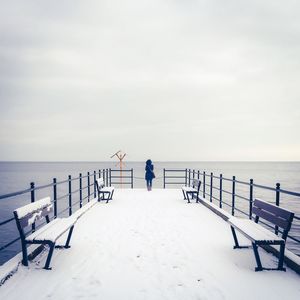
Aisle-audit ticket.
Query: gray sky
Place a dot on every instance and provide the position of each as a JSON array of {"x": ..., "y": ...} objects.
[{"x": 170, "y": 80}]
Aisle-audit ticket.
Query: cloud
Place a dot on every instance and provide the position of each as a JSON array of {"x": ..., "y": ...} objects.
[{"x": 146, "y": 74}]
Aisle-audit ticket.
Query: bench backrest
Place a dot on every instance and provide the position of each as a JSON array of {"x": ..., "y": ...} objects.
[
  {"x": 30, "y": 213},
  {"x": 195, "y": 183},
  {"x": 278, "y": 216},
  {"x": 99, "y": 183}
]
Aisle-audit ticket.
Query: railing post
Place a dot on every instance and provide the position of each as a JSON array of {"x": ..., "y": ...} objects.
[
  {"x": 204, "y": 184},
  {"x": 55, "y": 198},
  {"x": 193, "y": 174},
  {"x": 251, "y": 199},
  {"x": 233, "y": 195},
  {"x": 185, "y": 177},
  {"x": 88, "y": 183},
  {"x": 211, "y": 187},
  {"x": 32, "y": 199},
  {"x": 80, "y": 190},
  {"x": 99, "y": 174},
  {"x": 277, "y": 202},
  {"x": 94, "y": 184},
  {"x": 198, "y": 175},
  {"x": 103, "y": 175},
  {"x": 189, "y": 177},
  {"x": 109, "y": 176},
  {"x": 221, "y": 189},
  {"x": 70, "y": 195},
  {"x": 132, "y": 178},
  {"x": 164, "y": 178}
]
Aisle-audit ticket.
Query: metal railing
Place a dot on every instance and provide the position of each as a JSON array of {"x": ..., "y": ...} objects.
[
  {"x": 212, "y": 189},
  {"x": 82, "y": 186},
  {"x": 117, "y": 176}
]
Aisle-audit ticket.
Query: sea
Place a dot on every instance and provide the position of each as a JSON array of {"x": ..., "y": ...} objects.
[{"x": 17, "y": 176}]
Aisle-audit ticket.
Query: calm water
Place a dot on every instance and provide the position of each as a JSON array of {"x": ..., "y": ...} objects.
[{"x": 16, "y": 176}]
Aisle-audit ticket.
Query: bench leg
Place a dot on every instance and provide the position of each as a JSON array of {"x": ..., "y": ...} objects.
[
  {"x": 188, "y": 198},
  {"x": 25, "y": 255},
  {"x": 184, "y": 197},
  {"x": 52, "y": 246},
  {"x": 257, "y": 258},
  {"x": 281, "y": 258},
  {"x": 67, "y": 245},
  {"x": 110, "y": 196},
  {"x": 236, "y": 242}
]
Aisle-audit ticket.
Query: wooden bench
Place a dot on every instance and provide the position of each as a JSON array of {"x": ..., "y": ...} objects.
[
  {"x": 193, "y": 190},
  {"x": 48, "y": 234},
  {"x": 104, "y": 192},
  {"x": 260, "y": 236}
]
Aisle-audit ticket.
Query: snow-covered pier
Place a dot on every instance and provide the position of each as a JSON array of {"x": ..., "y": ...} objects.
[{"x": 151, "y": 245}]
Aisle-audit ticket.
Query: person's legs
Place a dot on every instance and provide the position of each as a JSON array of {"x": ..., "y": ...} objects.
[{"x": 148, "y": 184}]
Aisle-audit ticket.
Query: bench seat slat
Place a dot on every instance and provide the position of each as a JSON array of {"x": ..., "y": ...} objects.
[
  {"x": 254, "y": 231},
  {"x": 271, "y": 218},
  {"x": 189, "y": 189},
  {"x": 52, "y": 231},
  {"x": 107, "y": 189}
]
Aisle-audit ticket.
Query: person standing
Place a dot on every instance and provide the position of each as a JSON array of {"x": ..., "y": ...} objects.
[{"x": 149, "y": 174}]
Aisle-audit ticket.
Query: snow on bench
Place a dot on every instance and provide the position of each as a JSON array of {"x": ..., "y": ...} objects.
[
  {"x": 260, "y": 236},
  {"x": 47, "y": 234},
  {"x": 104, "y": 190},
  {"x": 193, "y": 190}
]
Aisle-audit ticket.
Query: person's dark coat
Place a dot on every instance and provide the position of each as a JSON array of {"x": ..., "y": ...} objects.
[{"x": 149, "y": 171}]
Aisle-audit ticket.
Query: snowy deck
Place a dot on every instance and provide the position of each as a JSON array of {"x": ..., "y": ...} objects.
[{"x": 151, "y": 245}]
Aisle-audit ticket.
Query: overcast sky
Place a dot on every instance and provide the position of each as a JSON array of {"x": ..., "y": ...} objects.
[{"x": 166, "y": 79}]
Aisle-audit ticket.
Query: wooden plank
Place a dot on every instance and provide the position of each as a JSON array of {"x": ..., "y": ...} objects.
[
  {"x": 278, "y": 211},
  {"x": 271, "y": 218},
  {"x": 35, "y": 216}
]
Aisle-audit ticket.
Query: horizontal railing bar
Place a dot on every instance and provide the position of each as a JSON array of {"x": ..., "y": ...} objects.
[
  {"x": 9, "y": 244},
  {"x": 289, "y": 193},
  {"x": 6, "y": 221},
  {"x": 293, "y": 238},
  {"x": 242, "y": 197},
  {"x": 213, "y": 197},
  {"x": 175, "y": 170},
  {"x": 63, "y": 196},
  {"x": 15, "y": 194},
  {"x": 227, "y": 204},
  {"x": 87, "y": 196},
  {"x": 75, "y": 203},
  {"x": 63, "y": 211},
  {"x": 120, "y": 182},
  {"x": 174, "y": 177},
  {"x": 242, "y": 212},
  {"x": 120, "y": 176},
  {"x": 116, "y": 170},
  {"x": 227, "y": 192}
]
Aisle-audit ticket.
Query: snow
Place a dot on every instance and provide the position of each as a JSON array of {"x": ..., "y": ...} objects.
[
  {"x": 33, "y": 207},
  {"x": 52, "y": 230},
  {"x": 151, "y": 245},
  {"x": 188, "y": 189},
  {"x": 254, "y": 230}
]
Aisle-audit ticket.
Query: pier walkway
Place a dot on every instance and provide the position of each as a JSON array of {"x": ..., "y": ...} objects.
[{"x": 151, "y": 245}]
